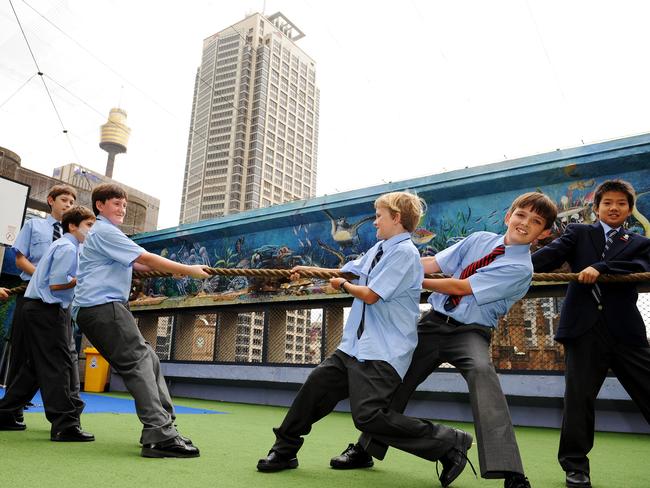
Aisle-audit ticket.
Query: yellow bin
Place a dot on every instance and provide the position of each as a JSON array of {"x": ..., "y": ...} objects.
[{"x": 97, "y": 368}]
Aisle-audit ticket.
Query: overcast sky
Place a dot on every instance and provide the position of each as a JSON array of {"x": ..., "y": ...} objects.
[{"x": 408, "y": 88}]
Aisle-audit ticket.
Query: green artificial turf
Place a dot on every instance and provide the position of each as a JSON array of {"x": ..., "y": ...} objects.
[{"x": 231, "y": 445}]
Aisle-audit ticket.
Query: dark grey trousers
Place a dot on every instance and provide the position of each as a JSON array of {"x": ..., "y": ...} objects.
[
  {"x": 112, "y": 330},
  {"x": 588, "y": 359},
  {"x": 467, "y": 348},
  {"x": 50, "y": 363},
  {"x": 370, "y": 386}
]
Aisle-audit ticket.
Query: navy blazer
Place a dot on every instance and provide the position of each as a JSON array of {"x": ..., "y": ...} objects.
[{"x": 581, "y": 246}]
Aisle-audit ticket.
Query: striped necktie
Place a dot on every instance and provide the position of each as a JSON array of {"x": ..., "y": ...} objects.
[
  {"x": 453, "y": 300},
  {"x": 595, "y": 290},
  {"x": 375, "y": 260},
  {"x": 57, "y": 231}
]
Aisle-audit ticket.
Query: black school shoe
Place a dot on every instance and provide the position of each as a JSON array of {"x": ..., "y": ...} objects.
[
  {"x": 10, "y": 422},
  {"x": 353, "y": 457},
  {"x": 174, "y": 447},
  {"x": 275, "y": 461},
  {"x": 516, "y": 481},
  {"x": 72, "y": 434},
  {"x": 455, "y": 460}
]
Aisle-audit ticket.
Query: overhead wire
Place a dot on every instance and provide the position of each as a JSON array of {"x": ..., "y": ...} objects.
[
  {"x": 40, "y": 74},
  {"x": 18, "y": 90}
]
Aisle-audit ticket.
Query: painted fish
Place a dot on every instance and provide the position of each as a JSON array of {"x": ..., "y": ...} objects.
[{"x": 422, "y": 236}]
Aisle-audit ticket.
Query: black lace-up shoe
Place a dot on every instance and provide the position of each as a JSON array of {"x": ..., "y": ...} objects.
[
  {"x": 275, "y": 461},
  {"x": 516, "y": 481},
  {"x": 174, "y": 447},
  {"x": 455, "y": 460},
  {"x": 353, "y": 457}
]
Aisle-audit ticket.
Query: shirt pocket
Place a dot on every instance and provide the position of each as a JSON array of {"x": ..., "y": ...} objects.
[{"x": 38, "y": 247}]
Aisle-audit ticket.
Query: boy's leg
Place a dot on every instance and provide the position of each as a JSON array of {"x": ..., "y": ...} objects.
[
  {"x": 372, "y": 385},
  {"x": 75, "y": 390},
  {"x": 19, "y": 356},
  {"x": 426, "y": 358},
  {"x": 632, "y": 367},
  {"x": 586, "y": 364},
  {"x": 326, "y": 385},
  {"x": 47, "y": 336},
  {"x": 113, "y": 331},
  {"x": 467, "y": 348}
]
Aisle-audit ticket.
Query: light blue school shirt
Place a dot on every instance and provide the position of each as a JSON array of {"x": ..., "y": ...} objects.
[
  {"x": 390, "y": 327},
  {"x": 34, "y": 239},
  {"x": 495, "y": 287},
  {"x": 105, "y": 266},
  {"x": 57, "y": 267}
]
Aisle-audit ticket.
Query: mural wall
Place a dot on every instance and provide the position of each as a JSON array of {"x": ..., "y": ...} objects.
[{"x": 330, "y": 231}]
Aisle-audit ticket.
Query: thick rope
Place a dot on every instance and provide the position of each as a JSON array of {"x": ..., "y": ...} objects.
[{"x": 286, "y": 273}]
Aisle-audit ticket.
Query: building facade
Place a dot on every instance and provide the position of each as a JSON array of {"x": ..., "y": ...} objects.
[{"x": 253, "y": 137}]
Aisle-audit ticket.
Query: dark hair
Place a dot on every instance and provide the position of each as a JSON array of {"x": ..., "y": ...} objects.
[
  {"x": 615, "y": 185},
  {"x": 538, "y": 203},
  {"x": 106, "y": 191},
  {"x": 76, "y": 215},
  {"x": 58, "y": 190}
]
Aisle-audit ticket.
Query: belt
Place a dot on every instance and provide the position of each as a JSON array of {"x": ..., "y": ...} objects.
[{"x": 446, "y": 318}]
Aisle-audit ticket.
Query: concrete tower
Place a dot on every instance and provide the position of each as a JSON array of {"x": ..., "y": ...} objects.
[{"x": 114, "y": 137}]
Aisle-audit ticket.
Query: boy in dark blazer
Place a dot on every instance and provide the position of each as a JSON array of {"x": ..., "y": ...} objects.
[{"x": 600, "y": 325}]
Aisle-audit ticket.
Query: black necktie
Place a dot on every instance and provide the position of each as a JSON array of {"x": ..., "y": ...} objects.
[
  {"x": 595, "y": 291},
  {"x": 375, "y": 260},
  {"x": 453, "y": 300},
  {"x": 57, "y": 231}
]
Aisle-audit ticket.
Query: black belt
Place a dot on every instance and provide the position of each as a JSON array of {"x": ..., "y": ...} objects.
[{"x": 446, "y": 318}]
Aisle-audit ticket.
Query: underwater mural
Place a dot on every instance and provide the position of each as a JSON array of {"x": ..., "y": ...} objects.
[{"x": 330, "y": 231}]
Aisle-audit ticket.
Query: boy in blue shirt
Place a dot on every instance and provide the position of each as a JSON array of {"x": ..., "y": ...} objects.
[
  {"x": 48, "y": 334},
  {"x": 32, "y": 242},
  {"x": 100, "y": 310},
  {"x": 375, "y": 351},
  {"x": 490, "y": 273}
]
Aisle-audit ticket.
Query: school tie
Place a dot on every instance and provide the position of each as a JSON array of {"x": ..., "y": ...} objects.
[
  {"x": 375, "y": 260},
  {"x": 453, "y": 300},
  {"x": 57, "y": 231},
  {"x": 595, "y": 290}
]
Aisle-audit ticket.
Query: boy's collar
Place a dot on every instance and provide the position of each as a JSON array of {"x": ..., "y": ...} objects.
[
  {"x": 517, "y": 248},
  {"x": 104, "y": 219},
  {"x": 388, "y": 243},
  {"x": 51, "y": 219},
  {"x": 71, "y": 238}
]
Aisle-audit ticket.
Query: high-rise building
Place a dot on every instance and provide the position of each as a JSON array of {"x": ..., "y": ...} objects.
[{"x": 253, "y": 136}]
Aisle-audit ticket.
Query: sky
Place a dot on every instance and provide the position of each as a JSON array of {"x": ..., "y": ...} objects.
[{"x": 408, "y": 88}]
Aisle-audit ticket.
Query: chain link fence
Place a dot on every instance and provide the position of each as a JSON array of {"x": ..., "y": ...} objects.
[{"x": 279, "y": 335}]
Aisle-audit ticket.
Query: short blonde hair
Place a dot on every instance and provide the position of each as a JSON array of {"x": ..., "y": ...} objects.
[{"x": 409, "y": 206}]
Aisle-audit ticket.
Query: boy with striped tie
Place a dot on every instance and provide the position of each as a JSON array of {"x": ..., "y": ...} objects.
[
  {"x": 375, "y": 351},
  {"x": 490, "y": 272},
  {"x": 600, "y": 325}
]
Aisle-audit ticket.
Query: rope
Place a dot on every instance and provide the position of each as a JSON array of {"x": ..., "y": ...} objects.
[{"x": 286, "y": 273}]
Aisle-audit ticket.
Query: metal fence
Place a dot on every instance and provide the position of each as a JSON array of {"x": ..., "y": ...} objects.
[{"x": 284, "y": 335}]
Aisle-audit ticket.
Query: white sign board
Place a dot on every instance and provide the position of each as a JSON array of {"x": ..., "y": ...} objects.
[{"x": 13, "y": 204}]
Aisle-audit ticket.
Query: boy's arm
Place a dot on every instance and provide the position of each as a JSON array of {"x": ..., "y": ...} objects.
[
  {"x": 298, "y": 269},
  {"x": 23, "y": 264},
  {"x": 4, "y": 293},
  {"x": 361, "y": 292},
  {"x": 430, "y": 265},
  {"x": 553, "y": 255},
  {"x": 637, "y": 264},
  {"x": 448, "y": 286},
  {"x": 62, "y": 260},
  {"x": 165, "y": 265}
]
